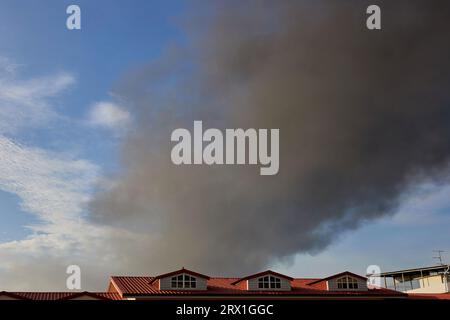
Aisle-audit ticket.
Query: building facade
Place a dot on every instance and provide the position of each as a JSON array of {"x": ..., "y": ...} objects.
[
  {"x": 426, "y": 280},
  {"x": 184, "y": 283}
]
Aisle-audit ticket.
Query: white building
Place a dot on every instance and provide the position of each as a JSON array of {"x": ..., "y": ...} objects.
[{"x": 420, "y": 280}]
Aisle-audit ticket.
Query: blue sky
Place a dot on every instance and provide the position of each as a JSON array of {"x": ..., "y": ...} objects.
[
  {"x": 114, "y": 38},
  {"x": 60, "y": 146},
  {"x": 56, "y": 94}
]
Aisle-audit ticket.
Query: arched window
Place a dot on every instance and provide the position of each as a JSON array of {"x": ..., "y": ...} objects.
[
  {"x": 347, "y": 283},
  {"x": 183, "y": 281},
  {"x": 269, "y": 282}
]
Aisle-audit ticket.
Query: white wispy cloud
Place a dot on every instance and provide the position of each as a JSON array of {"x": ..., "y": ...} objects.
[
  {"x": 7, "y": 66},
  {"x": 28, "y": 103},
  {"x": 109, "y": 115},
  {"x": 51, "y": 185}
]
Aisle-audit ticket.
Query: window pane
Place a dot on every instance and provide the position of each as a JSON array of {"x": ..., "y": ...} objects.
[
  {"x": 269, "y": 282},
  {"x": 415, "y": 283}
]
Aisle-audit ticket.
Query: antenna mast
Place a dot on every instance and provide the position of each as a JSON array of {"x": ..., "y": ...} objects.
[{"x": 439, "y": 256}]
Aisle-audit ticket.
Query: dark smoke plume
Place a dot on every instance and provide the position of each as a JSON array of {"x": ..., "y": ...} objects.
[{"x": 364, "y": 117}]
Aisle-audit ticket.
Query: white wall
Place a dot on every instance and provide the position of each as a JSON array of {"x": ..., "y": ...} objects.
[
  {"x": 430, "y": 284},
  {"x": 332, "y": 285}
]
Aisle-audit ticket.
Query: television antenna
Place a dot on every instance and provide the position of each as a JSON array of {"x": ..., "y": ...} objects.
[{"x": 439, "y": 256}]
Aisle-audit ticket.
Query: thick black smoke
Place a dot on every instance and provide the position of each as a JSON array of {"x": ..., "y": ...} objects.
[{"x": 364, "y": 116}]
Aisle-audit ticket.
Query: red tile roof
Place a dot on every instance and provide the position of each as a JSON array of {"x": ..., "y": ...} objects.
[
  {"x": 10, "y": 295},
  {"x": 429, "y": 296},
  {"x": 140, "y": 286},
  {"x": 110, "y": 295},
  {"x": 62, "y": 295},
  {"x": 143, "y": 286},
  {"x": 94, "y": 295}
]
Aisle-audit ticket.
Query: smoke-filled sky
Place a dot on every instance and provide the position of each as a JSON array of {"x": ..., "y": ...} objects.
[{"x": 86, "y": 118}]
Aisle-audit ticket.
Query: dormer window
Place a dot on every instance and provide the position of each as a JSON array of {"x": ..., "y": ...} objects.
[
  {"x": 269, "y": 282},
  {"x": 266, "y": 281},
  {"x": 347, "y": 283},
  {"x": 183, "y": 281}
]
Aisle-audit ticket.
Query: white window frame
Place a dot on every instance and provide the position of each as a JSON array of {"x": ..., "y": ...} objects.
[
  {"x": 347, "y": 283},
  {"x": 183, "y": 281},
  {"x": 269, "y": 282}
]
